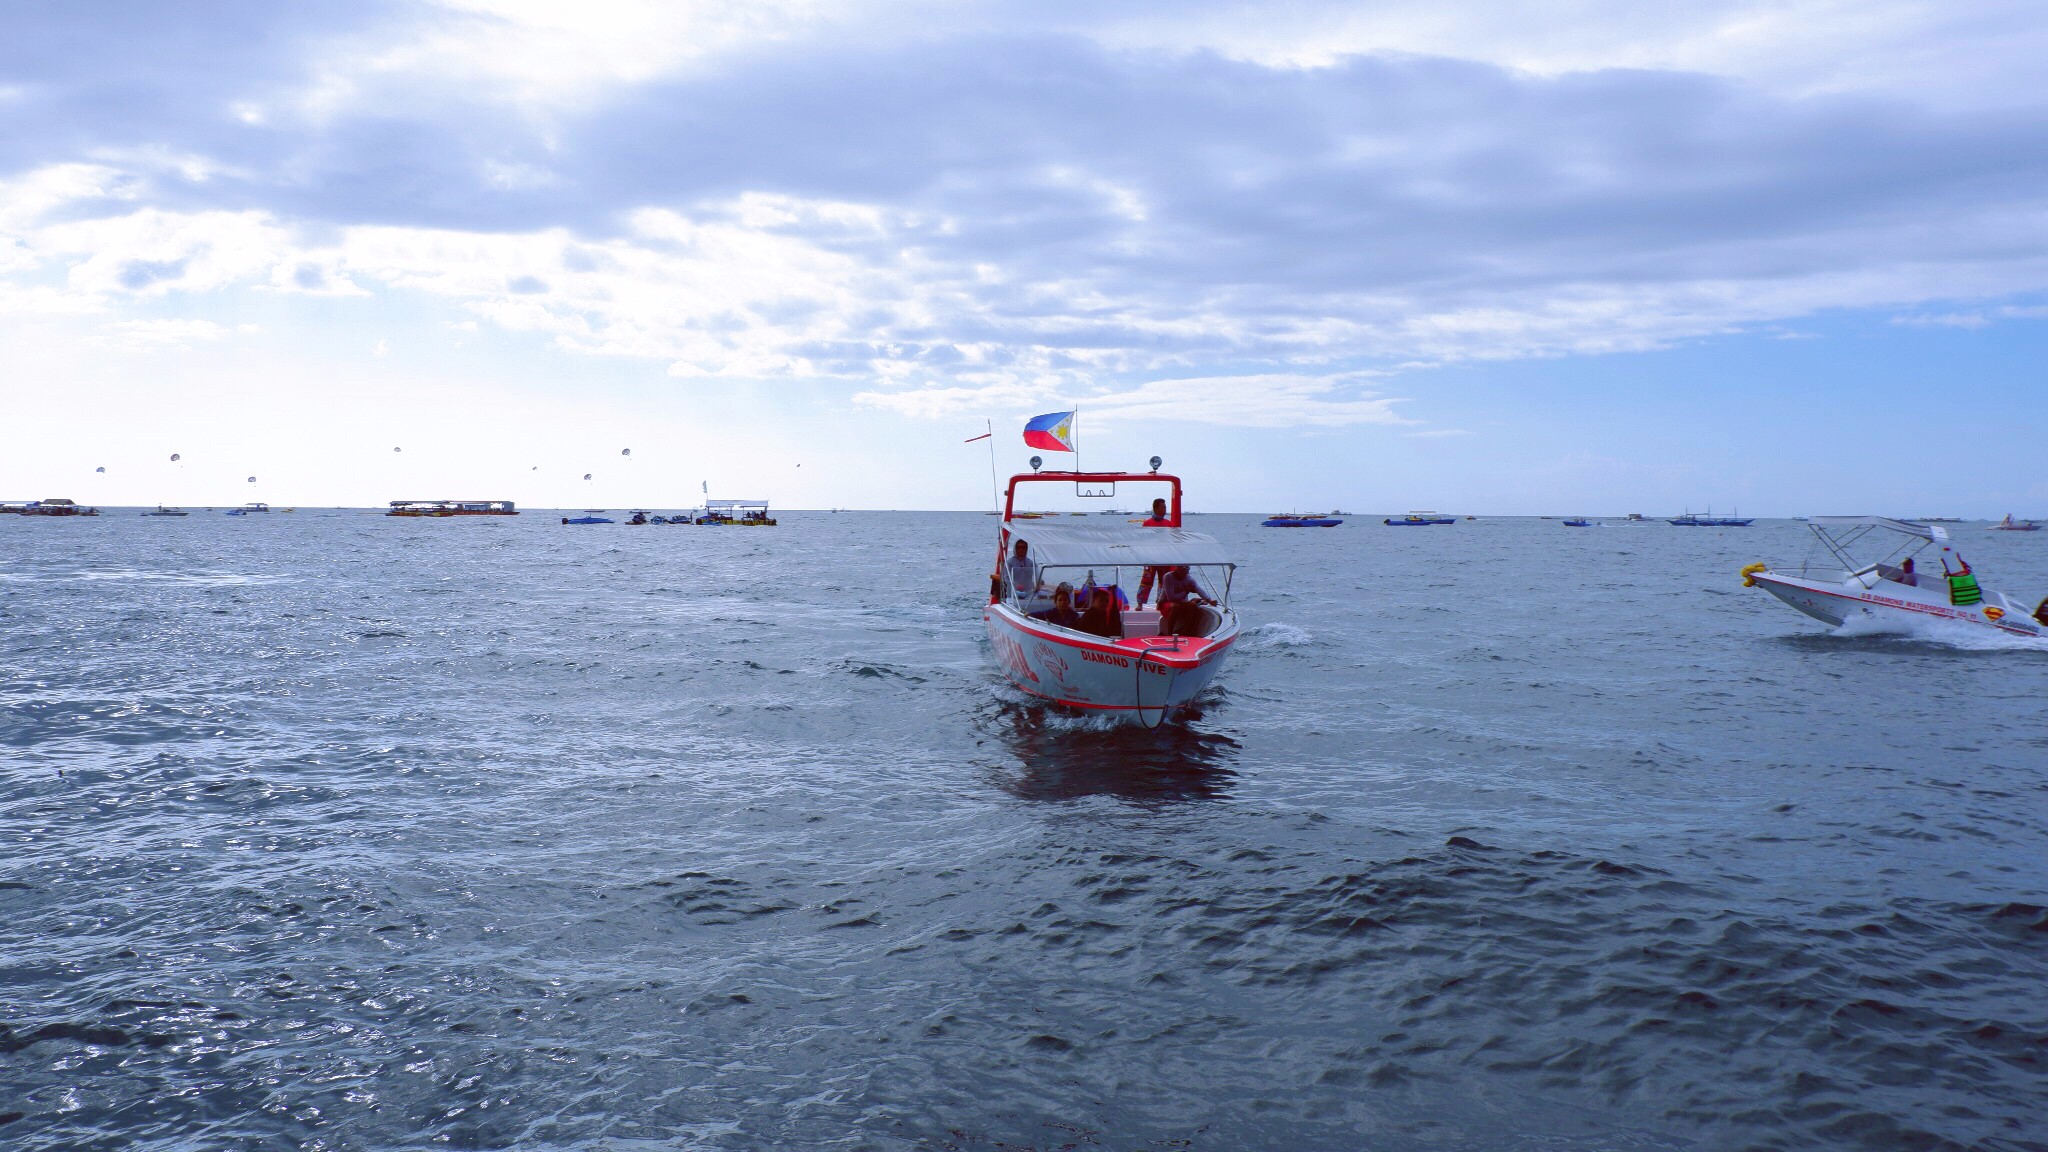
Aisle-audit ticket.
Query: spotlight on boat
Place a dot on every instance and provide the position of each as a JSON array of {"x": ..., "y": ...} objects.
[
  {"x": 1037, "y": 462},
  {"x": 1156, "y": 462}
]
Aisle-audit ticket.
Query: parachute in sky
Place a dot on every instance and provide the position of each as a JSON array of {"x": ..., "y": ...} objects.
[
  {"x": 625, "y": 451},
  {"x": 175, "y": 457},
  {"x": 398, "y": 449},
  {"x": 252, "y": 479},
  {"x": 99, "y": 469},
  {"x": 586, "y": 475}
]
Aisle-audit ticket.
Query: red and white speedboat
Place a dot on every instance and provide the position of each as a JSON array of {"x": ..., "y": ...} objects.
[
  {"x": 1876, "y": 583},
  {"x": 1136, "y": 672}
]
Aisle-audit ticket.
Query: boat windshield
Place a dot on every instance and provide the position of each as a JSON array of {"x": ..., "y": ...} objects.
[{"x": 1133, "y": 564}]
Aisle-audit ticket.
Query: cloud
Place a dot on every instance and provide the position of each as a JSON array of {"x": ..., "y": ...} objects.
[
  {"x": 958, "y": 208},
  {"x": 168, "y": 333}
]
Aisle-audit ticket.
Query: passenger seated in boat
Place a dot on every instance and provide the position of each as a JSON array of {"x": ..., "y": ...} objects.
[
  {"x": 1062, "y": 611},
  {"x": 1178, "y": 595},
  {"x": 1102, "y": 618},
  {"x": 1023, "y": 573}
]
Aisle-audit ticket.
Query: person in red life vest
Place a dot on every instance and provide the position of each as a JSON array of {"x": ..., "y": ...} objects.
[{"x": 1156, "y": 520}]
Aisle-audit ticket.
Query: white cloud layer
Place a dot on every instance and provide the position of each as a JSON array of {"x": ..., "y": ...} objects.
[{"x": 1198, "y": 211}]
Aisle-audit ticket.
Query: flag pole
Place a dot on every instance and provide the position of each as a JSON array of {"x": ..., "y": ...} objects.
[{"x": 995, "y": 498}]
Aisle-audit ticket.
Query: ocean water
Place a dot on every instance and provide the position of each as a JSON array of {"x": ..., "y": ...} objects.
[{"x": 330, "y": 831}]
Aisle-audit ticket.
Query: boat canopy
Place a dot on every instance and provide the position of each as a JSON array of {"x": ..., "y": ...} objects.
[
  {"x": 735, "y": 504},
  {"x": 1084, "y": 545},
  {"x": 1907, "y": 527}
]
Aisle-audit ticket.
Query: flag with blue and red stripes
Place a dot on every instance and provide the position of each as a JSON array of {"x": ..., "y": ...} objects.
[{"x": 1053, "y": 432}]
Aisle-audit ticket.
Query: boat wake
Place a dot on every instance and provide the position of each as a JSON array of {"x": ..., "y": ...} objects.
[
  {"x": 1945, "y": 633},
  {"x": 1274, "y": 635}
]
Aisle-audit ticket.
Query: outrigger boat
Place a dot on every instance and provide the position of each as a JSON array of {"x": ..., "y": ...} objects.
[
  {"x": 1888, "y": 590},
  {"x": 444, "y": 508},
  {"x": 752, "y": 513},
  {"x": 1693, "y": 520},
  {"x": 2011, "y": 525},
  {"x": 1419, "y": 520},
  {"x": 1299, "y": 520},
  {"x": 1136, "y": 671}
]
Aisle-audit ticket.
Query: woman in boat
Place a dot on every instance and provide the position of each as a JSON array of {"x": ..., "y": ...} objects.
[
  {"x": 1062, "y": 611},
  {"x": 1102, "y": 618}
]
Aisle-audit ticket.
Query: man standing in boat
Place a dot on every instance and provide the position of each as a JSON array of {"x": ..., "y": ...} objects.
[{"x": 1158, "y": 519}]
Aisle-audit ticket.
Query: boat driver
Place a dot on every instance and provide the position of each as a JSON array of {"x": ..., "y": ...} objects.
[
  {"x": 1177, "y": 592},
  {"x": 1906, "y": 575},
  {"x": 1062, "y": 611},
  {"x": 1023, "y": 573}
]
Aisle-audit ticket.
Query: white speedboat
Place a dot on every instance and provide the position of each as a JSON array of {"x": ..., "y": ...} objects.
[
  {"x": 2011, "y": 525},
  {"x": 1126, "y": 667},
  {"x": 1888, "y": 588}
]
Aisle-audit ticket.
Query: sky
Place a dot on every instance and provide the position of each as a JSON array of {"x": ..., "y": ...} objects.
[{"x": 1559, "y": 256}]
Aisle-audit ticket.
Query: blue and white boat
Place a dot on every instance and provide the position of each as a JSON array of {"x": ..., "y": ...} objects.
[{"x": 1419, "y": 519}]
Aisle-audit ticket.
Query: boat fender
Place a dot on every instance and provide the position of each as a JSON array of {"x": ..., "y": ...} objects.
[{"x": 1749, "y": 574}]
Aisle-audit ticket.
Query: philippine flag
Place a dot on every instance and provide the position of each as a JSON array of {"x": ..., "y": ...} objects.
[{"x": 1053, "y": 432}]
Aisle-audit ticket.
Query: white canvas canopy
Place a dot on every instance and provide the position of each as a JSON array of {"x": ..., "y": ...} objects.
[
  {"x": 1907, "y": 527},
  {"x": 735, "y": 504},
  {"x": 1095, "y": 546}
]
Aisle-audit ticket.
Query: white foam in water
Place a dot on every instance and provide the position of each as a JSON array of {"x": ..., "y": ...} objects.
[
  {"x": 1277, "y": 635},
  {"x": 1949, "y": 633}
]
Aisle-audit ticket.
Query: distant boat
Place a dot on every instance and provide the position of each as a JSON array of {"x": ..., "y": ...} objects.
[
  {"x": 444, "y": 508},
  {"x": 586, "y": 520},
  {"x": 2011, "y": 525},
  {"x": 1578, "y": 522},
  {"x": 163, "y": 511},
  {"x": 752, "y": 513},
  {"x": 1420, "y": 519},
  {"x": 1298, "y": 520},
  {"x": 1689, "y": 520},
  {"x": 1636, "y": 516},
  {"x": 50, "y": 507}
]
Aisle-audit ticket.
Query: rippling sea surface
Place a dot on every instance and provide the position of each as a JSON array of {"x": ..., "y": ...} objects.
[{"x": 330, "y": 831}]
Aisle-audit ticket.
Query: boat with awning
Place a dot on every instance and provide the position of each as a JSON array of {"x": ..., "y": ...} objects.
[
  {"x": 1126, "y": 657},
  {"x": 1873, "y": 575}
]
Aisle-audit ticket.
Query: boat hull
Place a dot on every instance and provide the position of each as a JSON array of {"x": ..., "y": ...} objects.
[
  {"x": 1836, "y": 603},
  {"x": 1142, "y": 678},
  {"x": 1300, "y": 522}
]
